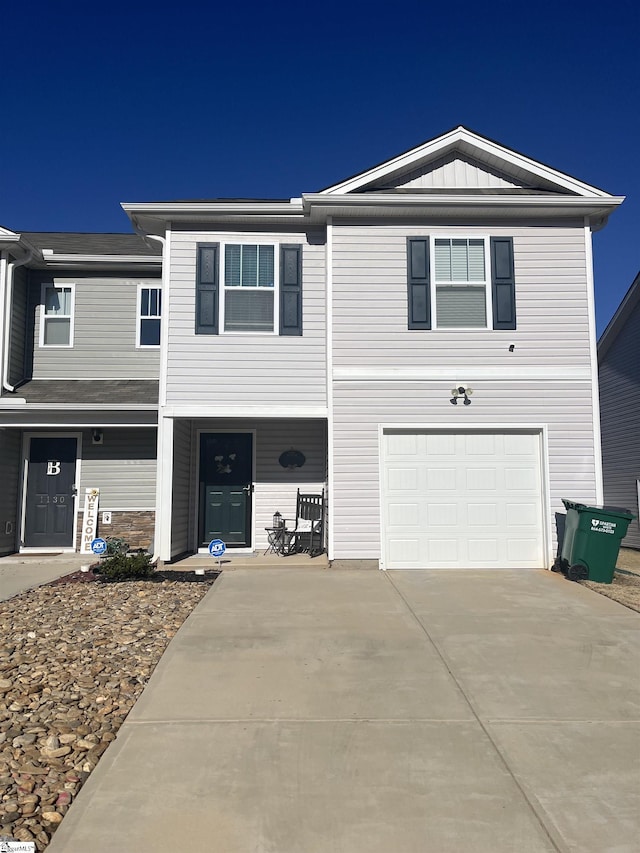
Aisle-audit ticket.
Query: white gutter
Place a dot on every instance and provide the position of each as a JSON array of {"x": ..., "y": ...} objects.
[{"x": 6, "y": 304}]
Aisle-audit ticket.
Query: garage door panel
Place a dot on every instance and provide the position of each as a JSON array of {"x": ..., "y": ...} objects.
[
  {"x": 439, "y": 445},
  {"x": 438, "y": 515},
  {"x": 441, "y": 479},
  {"x": 403, "y": 515},
  {"x": 461, "y": 500},
  {"x": 480, "y": 479},
  {"x": 482, "y": 514}
]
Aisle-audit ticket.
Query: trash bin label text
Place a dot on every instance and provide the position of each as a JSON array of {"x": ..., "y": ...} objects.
[{"x": 598, "y": 526}]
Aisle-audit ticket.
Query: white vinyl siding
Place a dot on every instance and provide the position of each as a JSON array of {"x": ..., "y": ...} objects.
[
  {"x": 183, "y": 494},
  {"x": 105, "y": 333},
  {"x": 275, "y": 487},
  {"x": 56, "y": 328},
  {"x": 244, "y": 369},
  {"x": 455, "y": 172},
  {"x": 370, "y": 303},
  {"x": 361, "y": 408}
]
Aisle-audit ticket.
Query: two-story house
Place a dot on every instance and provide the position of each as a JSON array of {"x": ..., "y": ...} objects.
[
  {"x": 79, "y": 345},
  {"x": 417, "y": 340}
]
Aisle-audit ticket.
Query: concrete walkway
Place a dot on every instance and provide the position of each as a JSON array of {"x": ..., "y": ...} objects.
[
  {"x": 20, "y": 572},
  {"x": 368, "y": 712}
]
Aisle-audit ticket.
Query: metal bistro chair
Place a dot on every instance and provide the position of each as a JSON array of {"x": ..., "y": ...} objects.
[{"x": 308, "y": 533}]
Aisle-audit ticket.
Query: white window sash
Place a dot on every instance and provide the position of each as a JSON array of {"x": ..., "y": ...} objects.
[
  {"x": 140, "y": 316},
  {"x": 44, "y": 317},
  {"x": 275, "y": 290},
  {"x": 457, "y": 283}
]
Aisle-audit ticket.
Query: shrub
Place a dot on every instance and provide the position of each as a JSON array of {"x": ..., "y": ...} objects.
[
  {"x": 116, "y": 545},
  {"x": 121, "y": 567}
]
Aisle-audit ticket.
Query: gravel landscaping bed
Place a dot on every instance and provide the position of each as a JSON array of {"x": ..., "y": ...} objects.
[{"x": 74, "y": 658}]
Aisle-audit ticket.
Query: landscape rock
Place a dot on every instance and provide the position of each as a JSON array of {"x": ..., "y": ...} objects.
[{"x": 74, "y": 658}]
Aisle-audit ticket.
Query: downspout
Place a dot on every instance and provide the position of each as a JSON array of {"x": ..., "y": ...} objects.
[
  {"x": 159, "y": 431},
  {"x": 8, "y": 298}
]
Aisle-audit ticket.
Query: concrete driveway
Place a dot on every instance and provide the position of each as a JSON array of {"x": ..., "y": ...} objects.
[{"x": 368, "y": 712}]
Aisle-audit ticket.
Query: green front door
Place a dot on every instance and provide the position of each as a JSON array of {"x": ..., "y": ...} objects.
[{"x": 226, "y": 482}]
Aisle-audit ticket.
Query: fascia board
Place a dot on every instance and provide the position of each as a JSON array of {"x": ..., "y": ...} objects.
[
  {"x": 581, "y": 204},
  {"x": 187, "y": 210},
  {"x": 23, "y": 405},
  {"x": 440, "y": 146},
  {"x": 75, "y": 259}
]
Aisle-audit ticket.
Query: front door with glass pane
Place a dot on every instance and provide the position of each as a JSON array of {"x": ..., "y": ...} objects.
[
  {"x": 50, "y": 501},
  {"x": 226, "y": 477}
]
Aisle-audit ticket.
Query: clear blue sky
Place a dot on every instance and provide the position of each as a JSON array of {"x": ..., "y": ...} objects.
[{"x": 143, "y": 101}]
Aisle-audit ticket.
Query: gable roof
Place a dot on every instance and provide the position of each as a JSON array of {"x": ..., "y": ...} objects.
[
  {"x": 77, "y": 243},
  {"x": 460, "y": 144},
  {"x": 616, "y": 324},
  {"x": 457, "y": 174}
]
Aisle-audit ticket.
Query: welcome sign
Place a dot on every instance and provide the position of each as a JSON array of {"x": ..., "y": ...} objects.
[{"x": 89, "y": 519}]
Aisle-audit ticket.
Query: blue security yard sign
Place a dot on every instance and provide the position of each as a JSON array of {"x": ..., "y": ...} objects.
[
  {"x": 217, "y": 547},
  {"x": 99, "y": 547}
]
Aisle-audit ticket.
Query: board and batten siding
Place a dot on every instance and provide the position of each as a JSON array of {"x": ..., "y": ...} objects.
[
  {"x": 244, "y": 368},
  {"x": 275, "y": 487},
  {"x": 17, "y": 338},
  {"x": 104, "y": 338},
  {"x": 183, "y": 496},
  {"x": 620, "y": 420},
  {"x": 10, "y": 456},
  {"x": 361, "y": 407},
  {"x": 452, "y": 172},
  {"x": 123, "y": 467},
  {"x": 370, "y": 302}
]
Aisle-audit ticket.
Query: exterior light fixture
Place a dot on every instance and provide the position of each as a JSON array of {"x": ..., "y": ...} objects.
[{"x": 458, "y": 392}]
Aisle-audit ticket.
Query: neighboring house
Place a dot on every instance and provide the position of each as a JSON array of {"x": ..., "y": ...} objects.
[
  {"x": 79, "y": 402},
  {"x": 619, "y": 359},
  {"x": 423, "y": 333}
]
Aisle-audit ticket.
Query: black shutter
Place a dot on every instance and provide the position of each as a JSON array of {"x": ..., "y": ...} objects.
[
  {"x": 207, "y": 290},
  {"x": 419, "y": 297},
  {"x": 503, "y": 283},
  {"x": 291, "y": 290}
]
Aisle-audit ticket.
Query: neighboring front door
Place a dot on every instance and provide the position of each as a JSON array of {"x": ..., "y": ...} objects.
[
  {"x": 51, "y": 473},
  {"x": 226, "y": 478}
]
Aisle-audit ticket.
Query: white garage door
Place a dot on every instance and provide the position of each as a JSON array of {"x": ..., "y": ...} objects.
[{"x": 462, "y": 500}]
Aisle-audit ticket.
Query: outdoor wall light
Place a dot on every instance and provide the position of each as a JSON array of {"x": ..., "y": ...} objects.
[{"x": 463, "y": 392}]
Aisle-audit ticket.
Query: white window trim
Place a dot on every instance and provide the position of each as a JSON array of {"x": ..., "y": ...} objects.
[
  {"x": 43, "y": 315},
  {"x": 487, "y": 283},
  {"x": 139, "y": 316},
  {"x": 275, "y": 289}
]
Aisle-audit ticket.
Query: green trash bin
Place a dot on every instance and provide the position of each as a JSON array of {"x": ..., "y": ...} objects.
[{"x": 592, "y": 537}]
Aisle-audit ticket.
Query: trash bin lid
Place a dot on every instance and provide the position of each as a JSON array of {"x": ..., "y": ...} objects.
[{"x": 609, "y": 510}]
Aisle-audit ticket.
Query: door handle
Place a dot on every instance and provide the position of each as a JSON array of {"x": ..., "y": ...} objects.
[{"x": 248, "y": 488}]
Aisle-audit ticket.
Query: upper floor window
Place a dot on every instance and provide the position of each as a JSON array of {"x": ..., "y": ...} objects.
[
  {"x": 460, "y": 281},
  {"x": 149, "y": 314},
  {"x": 56, "y": 328},
  {"x": 249, "y": 288}
]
